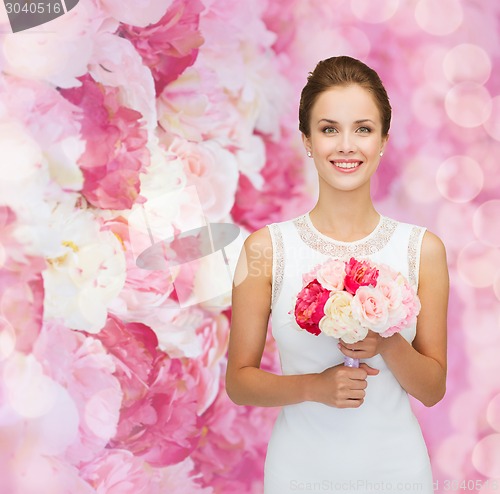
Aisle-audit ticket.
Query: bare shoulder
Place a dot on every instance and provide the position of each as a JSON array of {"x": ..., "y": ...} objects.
[
  {"x": 433, "y": 248},
  {"x": 259, "y": 239},
  {"x": 259, "y": 246},
  {"x": 256, "y": 257},
  {"x": 433, "y": 257}
]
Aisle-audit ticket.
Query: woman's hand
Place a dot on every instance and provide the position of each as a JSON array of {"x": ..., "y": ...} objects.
[
  {"x": 340, "y": 386},
  {"x": 370, "y": 346}
]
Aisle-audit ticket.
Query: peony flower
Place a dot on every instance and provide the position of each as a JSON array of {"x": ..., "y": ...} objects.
[
  {"x": 213, "y": 170},
  {"x": 359, "y": 273},
  {"x": 370, "y": 308},
  {"x": 49, "y": 120},
  {"x": 21, "y": 289},
  {"x": 164, "y": 398},
  {"x": 81, "y": 365},
  {"x": 136, "y": 13},
  {"x": 195, "y": 107},
  {"x": 231, "y": 451},
  {"x": 115, "y": 150},
  {"x": 179, "y": 479},
  {"x": 309, "y": 306},
  {"x": 58, "y": 52},
  {"x": 339, "y": 321},
  {"x": 170, "y": 45},
  {"x": 116, "y": 471},
  {"x": 85, "y": 272},
  {"x": 135, "y": 85},
  {"x": 253, "y": 207}
]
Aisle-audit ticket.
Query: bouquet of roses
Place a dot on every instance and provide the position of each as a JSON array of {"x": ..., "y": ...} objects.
[{"x": 346, "y": 299}]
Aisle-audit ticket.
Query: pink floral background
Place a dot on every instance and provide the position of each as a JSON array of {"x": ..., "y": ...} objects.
[{"x": 178, "y": 111}]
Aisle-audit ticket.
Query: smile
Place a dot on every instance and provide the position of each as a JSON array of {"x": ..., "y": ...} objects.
[{"x": 347, "y": 164}]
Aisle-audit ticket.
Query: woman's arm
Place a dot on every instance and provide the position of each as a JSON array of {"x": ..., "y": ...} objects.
[
  {"x": 421, "y": 367},
  {"x": 246, "y": 383}
]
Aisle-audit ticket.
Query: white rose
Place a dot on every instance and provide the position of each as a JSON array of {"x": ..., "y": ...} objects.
[{"x": 339, "y": 321}]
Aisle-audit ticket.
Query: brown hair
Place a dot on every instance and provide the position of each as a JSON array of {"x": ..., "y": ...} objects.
[{"x": 342, "y": 71}]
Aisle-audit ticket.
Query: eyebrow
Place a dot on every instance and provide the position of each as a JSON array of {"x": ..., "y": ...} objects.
[{"x": 356, "y": 122}]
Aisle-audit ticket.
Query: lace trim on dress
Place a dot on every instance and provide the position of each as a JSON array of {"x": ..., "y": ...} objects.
[
  {"x": 413, "y": 254},
  {"x": 376, "y": 241},
  {"x": 278, "y": 261}
]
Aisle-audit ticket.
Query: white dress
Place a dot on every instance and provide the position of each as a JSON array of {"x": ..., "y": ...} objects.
[{"x": 314, "y": 448}]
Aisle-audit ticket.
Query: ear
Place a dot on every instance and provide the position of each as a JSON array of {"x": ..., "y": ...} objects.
[
  {"x": 384, "y": 142},
  {"x": 307, "y": 142}
]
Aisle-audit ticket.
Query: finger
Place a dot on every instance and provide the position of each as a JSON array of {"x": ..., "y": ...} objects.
[
  {"x": 349, "y": 352},
  {"x": 350, "y": 346},
  {"x": 371, "y": 371},
  {"x": 357, "y": 394},
  {"x": 358, "y": 384},
  {"x": 353, "y": 403}
]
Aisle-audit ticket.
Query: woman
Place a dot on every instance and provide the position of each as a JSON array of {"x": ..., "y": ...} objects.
[{"x": 341, "y": 429}]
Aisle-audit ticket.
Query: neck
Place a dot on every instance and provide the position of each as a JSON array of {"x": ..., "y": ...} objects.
[{"x": 344, "y": 213}]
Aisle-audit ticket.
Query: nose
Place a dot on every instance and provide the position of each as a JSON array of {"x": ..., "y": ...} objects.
[{"x": 346, "y": 143}]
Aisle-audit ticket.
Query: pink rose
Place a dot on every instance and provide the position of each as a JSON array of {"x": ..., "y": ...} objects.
[
  {"x": 331, "y": 275},
  {"x": 394, "y": 296},
  {"x": 410, "y": 306},
  {"x": 369, "y": 307},
  {"x": 309, "y": 307}
]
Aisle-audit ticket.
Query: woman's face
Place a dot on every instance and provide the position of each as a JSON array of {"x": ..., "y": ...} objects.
[{"x": 346, "y": 137}]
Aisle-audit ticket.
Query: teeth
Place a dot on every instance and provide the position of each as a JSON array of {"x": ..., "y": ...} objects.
[{"x": 346, "y": 165}]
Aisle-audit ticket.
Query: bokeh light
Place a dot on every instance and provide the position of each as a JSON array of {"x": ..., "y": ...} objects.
[
  {"x": 464, "y": 411},
  {"x": 477, "y": 264},
  {"x": 459, "y": 179},
  {"x": 439, "y": 18},
  {"x": 468, "y": 104},
  {"x": 427, "y": 106},
  {"x": 486, "y": 152},
  {"x": 467, "y": 63},
  {"x": 486, "y": 456},
  {"x": 492, "y": 125},
  {"x": 493, "y": 413},
  {"x": 486, "y": 222},
  {"x": 454, "y": 223},
  {"x": 449, "y": 454},
  {"x": 418, "y": 179},
  {"x": 374, "y": 12}
]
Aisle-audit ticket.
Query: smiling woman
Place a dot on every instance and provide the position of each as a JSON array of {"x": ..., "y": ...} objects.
[
  {"x": 346, "y": 132},
  {"x": 346, "y": 429}
]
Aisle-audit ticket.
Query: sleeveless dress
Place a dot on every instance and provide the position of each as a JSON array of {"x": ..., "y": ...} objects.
[{"x": 376, "y": 448}]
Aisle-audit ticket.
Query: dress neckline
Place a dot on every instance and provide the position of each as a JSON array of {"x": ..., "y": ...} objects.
[
  {"x": 366, "y": 238},
  {"x": 364, "y": 247}
]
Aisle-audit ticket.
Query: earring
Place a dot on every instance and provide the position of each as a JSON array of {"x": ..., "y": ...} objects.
[
  {"x": 381, "y": 154},
  {"x": 309, "y": 153}
]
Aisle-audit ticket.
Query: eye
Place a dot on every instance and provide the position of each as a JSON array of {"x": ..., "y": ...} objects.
[
  {"x": 329, "y": 130},
  {"x": 364, "y": 130}
]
